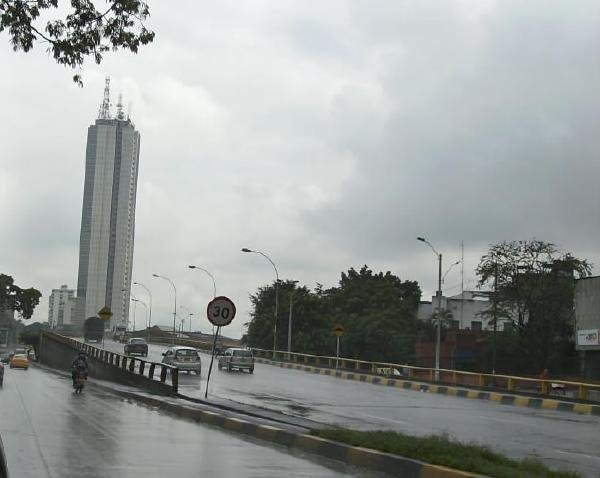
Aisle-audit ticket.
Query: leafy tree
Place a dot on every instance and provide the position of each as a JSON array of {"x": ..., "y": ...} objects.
[
  {"x": 535, "y": 290},
  {"x": 378, "y": 312},
  {"x": 30, "y": 337},
  {"x": 308, "y": 329},
  {"x": 12, "y": 297},
  {"x": 83, "y": 32},
  {"x": 428, "y": 328}
]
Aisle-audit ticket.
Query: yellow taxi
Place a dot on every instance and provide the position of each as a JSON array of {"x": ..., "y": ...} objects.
[{"x": 19, "y": 361}]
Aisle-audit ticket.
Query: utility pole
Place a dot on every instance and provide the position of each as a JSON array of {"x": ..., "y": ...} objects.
[
  {"x": 289, "y": 341},
  {"x": 462, "y": 282},
  {"x": 438, "y": 295},
  {"x": 439, "y": 320},
  {"x": 495, "y": 312}
]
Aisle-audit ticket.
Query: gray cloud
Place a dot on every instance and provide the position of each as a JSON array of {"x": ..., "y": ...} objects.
[{"x": 328, "y": 136}]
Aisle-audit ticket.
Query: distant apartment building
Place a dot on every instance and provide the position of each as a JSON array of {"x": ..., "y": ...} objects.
[
  {"x": 8, "y": 328},
  {"x": 466, "y": 311},
  {"x": 59, "y": 312},
  {"x": 108, "y": 215},
  {"x": 587, "y": 324}
]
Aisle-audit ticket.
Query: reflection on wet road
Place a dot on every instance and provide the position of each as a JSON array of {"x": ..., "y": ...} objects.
[
  {"x": 562, "y": 440},
  {"x": 48, "y": 431}
]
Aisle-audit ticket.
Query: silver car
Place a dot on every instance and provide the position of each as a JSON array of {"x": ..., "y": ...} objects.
[
  {"x": 184, "y": 358},
  {"x": 240, "y": 359}
]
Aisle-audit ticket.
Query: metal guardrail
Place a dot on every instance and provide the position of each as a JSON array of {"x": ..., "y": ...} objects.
[
  {"x": 198, "y": 344},
  {"x": 509, "y": 383},
  {"x": 133, "y": 365}
]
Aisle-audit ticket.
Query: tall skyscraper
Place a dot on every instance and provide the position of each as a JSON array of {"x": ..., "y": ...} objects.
[{"x": 108, "y": 215}]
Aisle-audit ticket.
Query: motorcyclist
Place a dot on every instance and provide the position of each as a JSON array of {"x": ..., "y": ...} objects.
[{"x": 79, "y": 365}]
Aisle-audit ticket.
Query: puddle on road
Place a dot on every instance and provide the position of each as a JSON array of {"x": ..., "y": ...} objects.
[
  {"x": 285, "y": 405},
  {"x": 300, "y": 410}
]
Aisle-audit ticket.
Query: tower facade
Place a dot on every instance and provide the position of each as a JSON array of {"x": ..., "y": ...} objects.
[{"x": 108, "y": 216}]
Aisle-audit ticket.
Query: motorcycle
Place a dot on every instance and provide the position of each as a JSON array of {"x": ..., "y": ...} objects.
[{"x": 79, "y": 382}]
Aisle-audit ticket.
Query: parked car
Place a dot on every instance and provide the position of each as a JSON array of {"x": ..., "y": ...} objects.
[
  {"x": 240, "y": 359},
  {"x": 184, "y": 358},
  {"x": 19, "y": 361},
  {"x": 136, "y": 346}
]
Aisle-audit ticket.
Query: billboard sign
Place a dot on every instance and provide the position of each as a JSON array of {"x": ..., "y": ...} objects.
[{"x": 588, "y": 337}]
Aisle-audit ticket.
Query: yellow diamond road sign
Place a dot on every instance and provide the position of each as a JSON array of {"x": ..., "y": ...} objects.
[
  {"x": 105, "y": 313},
  {"x": 338, "y": 330}
]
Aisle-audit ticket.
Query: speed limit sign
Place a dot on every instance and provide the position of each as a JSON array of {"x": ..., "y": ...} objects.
[{"x": 220, "y": 311}]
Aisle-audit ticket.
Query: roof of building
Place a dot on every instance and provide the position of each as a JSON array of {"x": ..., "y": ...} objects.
[
  {"x": 482, "y": 295},
  {"x": 588, "y": 277}
]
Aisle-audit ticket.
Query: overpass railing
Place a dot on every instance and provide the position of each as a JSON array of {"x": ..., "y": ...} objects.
[
  {"x": 509, "y": 383},
  {"x": 198, "y": 344},
  {"x": 143, "y": 369}
]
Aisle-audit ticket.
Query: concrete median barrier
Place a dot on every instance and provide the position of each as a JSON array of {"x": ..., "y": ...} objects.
[{"x": 57, "y": 351}]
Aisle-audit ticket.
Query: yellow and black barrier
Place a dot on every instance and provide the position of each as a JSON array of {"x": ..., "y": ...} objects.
[{"x": 502, "y": 398}]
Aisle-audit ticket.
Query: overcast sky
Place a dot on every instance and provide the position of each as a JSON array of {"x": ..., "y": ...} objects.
[{"x": 325, "y": 134}]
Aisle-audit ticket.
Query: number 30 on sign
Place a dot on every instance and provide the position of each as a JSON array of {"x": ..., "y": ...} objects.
[{"x": 220, "y": 311}]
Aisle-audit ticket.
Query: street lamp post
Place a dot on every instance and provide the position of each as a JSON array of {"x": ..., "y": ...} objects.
[
  {"x": 175, "y": 306},
  {"x": 448, "y": 270},
  {"x": 150, "y": 308},
  {"x": 245, "y": 249},
  {"x": 289, "y": 340},
  {"x": 210, "y": 275},
  {"x": 214, "y": 286},
  {"x": 439, "y": 308},
  {"x": 190, "y": 313},
  {"x": 145, "y": 307}
]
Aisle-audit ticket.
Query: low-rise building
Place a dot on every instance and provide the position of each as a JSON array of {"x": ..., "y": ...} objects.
[
  {"x": 587, "y": 325},
  {"x": 467, "y": 311},
  {"x": 9, "y": 328},
  {"x": 60, "y": 307}
]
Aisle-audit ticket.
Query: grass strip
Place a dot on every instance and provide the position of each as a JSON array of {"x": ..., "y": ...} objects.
[{"x": 441, "y": 450}]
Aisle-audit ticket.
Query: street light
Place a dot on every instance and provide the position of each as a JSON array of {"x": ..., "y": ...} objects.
[
  {"x": 190, "y": 313},
  {"x": 175, "y": 306},
  {"x": 289, "y": 341},
  {"x": 245, "y": 249},
  {"x": 439, "y": 308},
  {"x": 214, "y": 286},
  {"x": 449, "y": 269},
  {"x": 145, "y": 307},
  {"x": 150, "y": 309},
  {"x": 210, "y": 275}
]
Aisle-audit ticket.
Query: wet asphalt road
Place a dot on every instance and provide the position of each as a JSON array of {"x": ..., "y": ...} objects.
[
  {"x": 562, "y": 440},
  {"x": 48, "y": 431}
]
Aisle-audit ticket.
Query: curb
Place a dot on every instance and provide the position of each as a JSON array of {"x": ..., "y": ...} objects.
[
  {"x": 390, "y": 464},
  {"x": 502, "y": 398}
]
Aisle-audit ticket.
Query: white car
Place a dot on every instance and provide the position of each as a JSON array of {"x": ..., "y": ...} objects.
[
  {"x": 185, "y": 359},
  {"x": 240, "y": 359}
]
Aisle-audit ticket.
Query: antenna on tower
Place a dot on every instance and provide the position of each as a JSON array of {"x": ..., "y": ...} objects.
[
  {"x": 104, "y": 112},
  {"x": 120, "y": 114}
]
